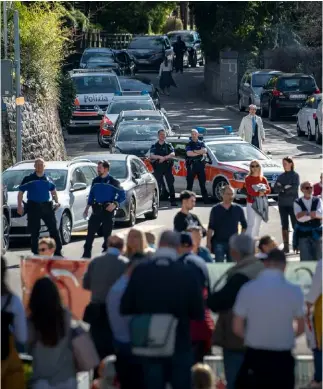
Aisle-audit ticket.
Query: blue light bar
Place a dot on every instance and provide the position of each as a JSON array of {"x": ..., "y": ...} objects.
[
  {"x": 144, "y": 92},
  {"x": 201, "y": 130},
  {"x": 118, "y": 93},
  {"x": 228, "y": 128}
]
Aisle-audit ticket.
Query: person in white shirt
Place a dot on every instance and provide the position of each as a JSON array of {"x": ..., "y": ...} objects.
[
  {"x": 251, "y": 128},
  {"x": 265, "y": 312},
  {"x": 165, "y": 76},
  {"x": 308, "y": 229}
]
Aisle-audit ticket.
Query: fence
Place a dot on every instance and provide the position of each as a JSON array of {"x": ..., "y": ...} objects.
[{"x": 101, "y": 39}]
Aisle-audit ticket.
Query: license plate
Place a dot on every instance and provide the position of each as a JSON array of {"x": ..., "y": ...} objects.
[
  {"x": 297, "y": 97},
  {"x": 144, "y": 61}
]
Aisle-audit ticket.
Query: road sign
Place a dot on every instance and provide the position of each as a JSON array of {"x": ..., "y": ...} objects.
[{"x": 6, "y": 78}]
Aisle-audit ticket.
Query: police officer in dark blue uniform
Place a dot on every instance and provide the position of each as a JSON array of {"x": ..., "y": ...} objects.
[
  {"x": 196, "y": 154},
  {"x": 105, "y": 196},
  {"x": 162, "y": 156},
  {"x": 39, "y": 207}
]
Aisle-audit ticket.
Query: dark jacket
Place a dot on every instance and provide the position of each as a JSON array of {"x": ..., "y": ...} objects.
[{"x": 287, "y": 196}]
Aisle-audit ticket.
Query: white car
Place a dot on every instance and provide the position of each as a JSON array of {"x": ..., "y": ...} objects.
[
  {"x": 307, "y": 115},
  {"x": 318, "y": 124},
  {"x": 73, "y": 181}
]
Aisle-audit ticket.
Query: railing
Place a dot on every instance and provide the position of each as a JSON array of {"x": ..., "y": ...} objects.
[{"x": 102, "y": 39}]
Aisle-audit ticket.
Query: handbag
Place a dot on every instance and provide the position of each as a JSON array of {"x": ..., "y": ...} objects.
[{"x": 85, "y": 355}]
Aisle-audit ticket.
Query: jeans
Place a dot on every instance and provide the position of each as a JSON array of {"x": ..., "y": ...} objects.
[
  {"x": 310, "y": 249},
  {"x": 317, "y": 354},
  {"x": 232, "y": 361},
  {"x": 254, "y": 221},
  {"x": 287, "y": 213},
  {"x": 43, "y": 384},
  {"x": 221, "y": 251}
]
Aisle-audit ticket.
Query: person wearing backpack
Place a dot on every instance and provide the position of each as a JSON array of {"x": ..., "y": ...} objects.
[{"x": 13, "y": 330}]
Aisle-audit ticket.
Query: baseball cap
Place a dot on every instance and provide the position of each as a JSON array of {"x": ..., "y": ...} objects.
[
  {"x": 186, "y": 239},
  {"x": 276, "y": 255}
]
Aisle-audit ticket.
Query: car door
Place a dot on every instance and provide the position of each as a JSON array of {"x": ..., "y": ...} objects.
[
  {"x": 303, "y": 114},
  {"x": 150, "y": 183},
  {"x": 179, "y": 168},
  {"x": 78, "y": 198},
  {"x": 140, "y": 186}
]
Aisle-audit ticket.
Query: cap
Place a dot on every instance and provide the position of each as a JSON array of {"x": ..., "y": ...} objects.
[
  {"x": 276, "y": 255},
  {"x": 186, "y": 239}
]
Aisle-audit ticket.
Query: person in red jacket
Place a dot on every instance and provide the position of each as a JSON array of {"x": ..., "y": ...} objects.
[
  {"x": 317, "y": 190},
  {"x": 256, "y": 185}
]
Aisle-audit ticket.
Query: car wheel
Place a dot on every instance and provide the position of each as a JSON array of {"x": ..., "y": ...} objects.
[
  {"x": 5, "y": 234},
  {"x": 299, "y": 131},
  {"x": 309, "y": 132},
  {"x": 318, "y": 135},
  {"x": 218, "y": 186},
  {"x": 65, "y": 228},
  {"x": 153, "y": 214},
  {"x": 272, "y": 113},
  {"x": 241, "y": 107},
  {"x": 132, "y": 213},
  {"x": 263, "y": 112}
]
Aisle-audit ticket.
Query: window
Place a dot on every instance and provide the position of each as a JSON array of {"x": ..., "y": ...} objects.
[
  {"x": 96, "y": 84},
  {"x": 131, "y": 105},
  {"x": 88, "y": 174},
  {"x": 78, "y": 177},
  {"x": 297, "y": 84},
  {"x": 167, "y": 44},
  {"x": 146, "y": 43},
  {"x": 140, "y": 167},
  {"x": 132, "y": 132},
  {"x": 259, "y": 80},
  {"x": 128, "y": 84},
  {"x": 134, "y": 168},
  {"x": 271, "y": 83},
  {"x": 233, "y": 152},
  {"x": 180, "y": 150}
]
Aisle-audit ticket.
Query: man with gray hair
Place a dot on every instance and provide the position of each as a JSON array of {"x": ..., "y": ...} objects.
[
  {"x": 247, "y": 267},
  {"x": 164, "y": 286},
  {"x": 251, "y": 128}
]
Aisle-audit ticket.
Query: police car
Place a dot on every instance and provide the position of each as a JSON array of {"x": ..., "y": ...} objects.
[
  {"x": 95, "y": 89},
  {"x": 228, "y": 159}
]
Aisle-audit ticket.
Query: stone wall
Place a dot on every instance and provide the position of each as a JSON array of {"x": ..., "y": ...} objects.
[{"x": 41, "y": 132}]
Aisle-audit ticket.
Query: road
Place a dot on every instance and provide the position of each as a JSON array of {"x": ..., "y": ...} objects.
[{"x": 187, "y": 107}]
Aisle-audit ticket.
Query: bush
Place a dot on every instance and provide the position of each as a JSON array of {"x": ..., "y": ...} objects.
[
  {"x": 172, "y": 24},
  {"x": 66, "y": 98}
]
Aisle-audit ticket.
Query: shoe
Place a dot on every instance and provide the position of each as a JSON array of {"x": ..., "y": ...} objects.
[
  {"x": 173, "y": 203},
  {"x": 86, "y": 255}
]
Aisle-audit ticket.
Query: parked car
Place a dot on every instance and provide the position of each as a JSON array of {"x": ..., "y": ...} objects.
[
  {"x": 73, "y": 181},
  {"x": 284, "y": 94},
  {"x": 306, "y": 117},
  {"x": 149, "y": 51},
  {"x": 318, "y": 124},
  {"x": 6, "y": 220},
  {"x": 134, "y": 84},
  {"x": 142, "y": 194},
  {"x": 251, "y": 86},
  {"x": 192, "y": 40}
]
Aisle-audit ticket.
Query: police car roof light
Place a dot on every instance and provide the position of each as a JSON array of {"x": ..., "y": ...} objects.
[
  {"x": 229, "y": 129},
  {"x": 144, "y": 92},
  {"x": 100, "y": 70},
  {"x": 201, "y": 130}
]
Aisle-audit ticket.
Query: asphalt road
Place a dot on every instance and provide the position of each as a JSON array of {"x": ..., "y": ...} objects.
[{"x": 187, "y": 107}]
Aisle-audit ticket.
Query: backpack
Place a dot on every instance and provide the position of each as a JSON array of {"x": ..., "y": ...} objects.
[{"x": 6, "y": 322}]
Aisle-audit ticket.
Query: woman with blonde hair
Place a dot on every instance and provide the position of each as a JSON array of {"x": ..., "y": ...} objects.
[
  {"x": 256, "y": 186},
  {"x": 137, "y": 246},
  {"x": 203, "y": 377}
]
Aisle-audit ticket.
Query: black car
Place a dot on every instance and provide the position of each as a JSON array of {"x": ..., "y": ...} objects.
[
  {"x": 192, "y": 41},
  {"x": 149, "y": 51},
  {"x": 140, "y": 84},
  {"x": 284, "y": 94},
  {"x": 118, "y": 60},
  {"x": 6, "y": 221}
]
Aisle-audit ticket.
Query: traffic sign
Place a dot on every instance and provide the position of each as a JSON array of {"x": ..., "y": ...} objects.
[{"x": 6, "y": 78}]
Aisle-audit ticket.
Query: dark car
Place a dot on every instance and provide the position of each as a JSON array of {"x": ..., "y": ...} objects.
[
  {"x": 149, "y": 51},
  {"x": 284, "y": 94},
  {"x": 192, "y": 41},
  {"x": 140, "y": 84},
  {"x": 142, "y": 195},
  {"x": 6, "y": 221}
]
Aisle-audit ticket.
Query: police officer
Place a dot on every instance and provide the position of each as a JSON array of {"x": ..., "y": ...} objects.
[
  {"x": 105, "y": 196},
  {"x": 195, "y": 163},
  {"x": 161, "y": 155},
  {"x": 39, "y": 207},
  {"x": 179, "y": 50}
]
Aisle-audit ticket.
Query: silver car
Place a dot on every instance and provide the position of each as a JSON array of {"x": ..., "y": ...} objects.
[
  {"x": 251, "y": 86},
  {"x": 73, "y": 181}
]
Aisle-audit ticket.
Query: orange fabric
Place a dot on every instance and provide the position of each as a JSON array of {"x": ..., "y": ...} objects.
[
  {"x": 250, "y": 180},
  {"x": 12, "y": 371}
]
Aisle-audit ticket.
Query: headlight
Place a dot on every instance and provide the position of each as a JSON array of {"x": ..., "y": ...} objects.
[{"x": 239, "y": 176}]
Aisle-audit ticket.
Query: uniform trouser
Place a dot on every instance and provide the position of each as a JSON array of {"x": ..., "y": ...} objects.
[
  {"x": 98, "y": 217},
  {"x": 196, "y": 169},
  {"x": 254, "y": 221},
  {"x": 42, "y": 211},
  {"x": 165, "y": 171},
  {"x": 179, "y": 62}
]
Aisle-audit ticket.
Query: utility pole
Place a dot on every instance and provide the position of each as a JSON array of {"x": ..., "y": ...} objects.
[
  {"x": 5, "y": 30},
  {"x": 19, "y": 99}
]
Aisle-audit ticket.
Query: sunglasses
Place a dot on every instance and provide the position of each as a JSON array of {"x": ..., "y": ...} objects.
[
  {"x": 254, "y": 166},
  {"x": 42, "y": 249},
  {"x": 307, "y": 187}
]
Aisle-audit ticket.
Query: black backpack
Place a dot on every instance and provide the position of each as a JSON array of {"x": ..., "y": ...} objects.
[{"x": 6, "y": 322}]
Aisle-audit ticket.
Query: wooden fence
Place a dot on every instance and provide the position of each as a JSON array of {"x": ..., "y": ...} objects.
[{"x": 102, "y": 39}]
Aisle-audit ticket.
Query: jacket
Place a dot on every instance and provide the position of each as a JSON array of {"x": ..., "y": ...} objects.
[
  {"x": 246, "y": 130},
  {"x": 287, "y": 196},
  {"x": 260, "y": 206}
]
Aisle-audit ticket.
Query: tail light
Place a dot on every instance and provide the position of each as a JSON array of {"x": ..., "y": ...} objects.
[
  {"x": 317, "y": 91},
  {"x": 107, "y": 123},
  {"x": 314, "y": 116},
  {"x": 277, "y": 93},
  {"x": 105, "y": 132}
]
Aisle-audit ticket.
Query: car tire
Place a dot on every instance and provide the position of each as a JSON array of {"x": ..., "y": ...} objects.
[
  {"x": 299, "y": 131},
  {"x": 263, "y": 112},
  {"x": 153, "y": 214},
  {"x": 310, "y": 137},
  {"x": 132, "y": 213},
  {"x": 218, "y": 185},
  {"x": 273, "y": 115},
  {"x": 65, "y": 228},
  {"x": 241, "y": 107},
  {"x": 318, "y": 135},
  {"x": 5, "y": 234},
  {"x": 101, "y": 144}
]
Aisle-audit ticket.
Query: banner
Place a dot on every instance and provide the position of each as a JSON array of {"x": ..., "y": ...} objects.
[{"x": 67, "y": 275}]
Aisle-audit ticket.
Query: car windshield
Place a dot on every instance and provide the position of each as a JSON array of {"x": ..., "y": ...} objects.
[
  {"x": 259, "y": 80},
  {"x": 134, "y": 85},
  {"x": 13, "y": 178},
  {"x": 138, "y": 132},
  {"x": 141, "y": 118},
  {"x": 97, "y": 57},
  {"x": 232, "y": 152},
  {"x": 101, "y": 60},
  {"x": 146, "y": 43},
  {"x": 119, "y": 106},
  {"x": 187, "y": 38},
  {"x": 296, "y": 84},
  {"x": 96, "y": 84}
]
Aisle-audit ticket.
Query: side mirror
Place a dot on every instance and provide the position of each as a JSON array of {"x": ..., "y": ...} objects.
[
  {"x": 78, "y": 186},
  {"x": 100, "y": 112},
  {"x": 176, "y": 128},
  {"x": 163, "y": 110}
]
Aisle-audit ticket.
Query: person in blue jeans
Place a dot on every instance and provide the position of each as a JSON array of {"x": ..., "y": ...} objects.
[{"x": 224, "y": 221}]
